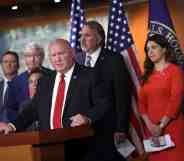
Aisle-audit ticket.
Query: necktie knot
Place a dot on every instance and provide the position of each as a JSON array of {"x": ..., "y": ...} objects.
[
  {"x": 62, "y": 77},
  {"x": 88, "y": 60}
]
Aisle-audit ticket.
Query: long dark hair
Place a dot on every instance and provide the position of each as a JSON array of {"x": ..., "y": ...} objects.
[{"x": 148, "y": 64}]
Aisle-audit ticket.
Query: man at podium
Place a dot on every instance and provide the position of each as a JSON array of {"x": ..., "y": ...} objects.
[{"x": 70, "y": 97}]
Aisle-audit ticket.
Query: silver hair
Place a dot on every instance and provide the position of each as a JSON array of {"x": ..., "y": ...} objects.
[{"x": 34, "y": 45}]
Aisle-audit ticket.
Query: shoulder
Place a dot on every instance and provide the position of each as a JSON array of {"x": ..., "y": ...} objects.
[
  {"x": 20, "y": 79},
  {"x": 82, "y": 70},
  {"x": 21, "y": 76},
  {"x": 112, "y": 56},
  {"x": 175, "y": 68},
  {"x": 46, "y": 71},
  {"x": 49, "y": 76}
]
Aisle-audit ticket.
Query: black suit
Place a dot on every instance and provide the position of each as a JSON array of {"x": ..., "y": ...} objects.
[
  {"x": 86, "y": 97},
  {"x": 3, "y": 110},
  {"x": 18, "y": 92},
  {"x": 111, "y": 68}
]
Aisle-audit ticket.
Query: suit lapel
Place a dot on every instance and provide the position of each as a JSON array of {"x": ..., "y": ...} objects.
[
  {"x": 1, "y": 88},
  {"x": 100, "y": 58},
  {"x": 1, "y": 92},
  {"x": 72, "y": 85}
]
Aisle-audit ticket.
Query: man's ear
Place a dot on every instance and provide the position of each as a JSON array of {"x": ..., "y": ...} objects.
[
  {"x": 99, "y": 39},
  {"x": 164, "y": 50}
]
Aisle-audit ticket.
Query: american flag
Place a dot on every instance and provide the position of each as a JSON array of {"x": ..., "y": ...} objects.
[
  {"x": 77, "y": 22},
  {"x": 160, "y": 22},
  {"x": 119, "y": 39}
]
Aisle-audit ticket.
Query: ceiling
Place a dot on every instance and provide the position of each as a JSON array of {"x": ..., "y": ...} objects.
[
  {"x": 4, "y": 3},
  {"x": 31, "y": 8},
  {"x": 12, "y": 2}
]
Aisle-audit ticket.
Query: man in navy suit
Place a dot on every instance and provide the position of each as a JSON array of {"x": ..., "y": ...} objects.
[
  {"x": 18, "y": 92},
  {"x": 10, "y": 65},
  {"x": 86, "y": 101}
]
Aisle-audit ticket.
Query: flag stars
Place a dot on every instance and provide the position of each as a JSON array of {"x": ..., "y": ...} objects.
[
  {"x": 124, "y": 29},
  {"x": 114, "y": 50},
  {"x": 113, "y": 9},
  {"x": 109, "y": 47},
  {"x": 110, "y": 39},
  {"x": 122, "y": 37},
  {"x": 74, "y": 29},
  {"x": 72, "y": 5},
  {"x": 78, "y": 8},
  {"x": 116, "y": 34},
  {"x": 114, "y": 1},
  {"x": 73, "y": 44},
  {"x": 82, "y": 18},
  {"x": 76, "y": 15},
  {"x": 117, "y": 27},
  {"x": 115, "y": 42},
  {"x": 129, "y": 40},
  {"x": 121, "y": 45},
  {"x": 73, "y": 37},
  {"x": 75, "y": 22},
  {"x": 120, "y": 12},
  {"x": 71, "y": 13},
  {"x": 112, "y": 17},
  {"x": 119, "y": 19},
  {"x": 112, "y": 24},
  {"x": 111, "y": 32}
]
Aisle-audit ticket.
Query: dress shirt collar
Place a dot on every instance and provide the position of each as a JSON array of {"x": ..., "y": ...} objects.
[
  {"x": 94, "y": 56},
  {"x": 68, "y": 74}
]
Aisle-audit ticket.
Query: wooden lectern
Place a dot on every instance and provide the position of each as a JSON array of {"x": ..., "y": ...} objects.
[{"x": 39, "y": 146}]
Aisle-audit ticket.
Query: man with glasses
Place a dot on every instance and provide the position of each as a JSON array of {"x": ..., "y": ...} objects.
[{"x": 33, "y": 55}]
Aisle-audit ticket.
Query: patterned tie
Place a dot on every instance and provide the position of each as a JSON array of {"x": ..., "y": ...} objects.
[
  {"x": 59, "y": 104},
  {"x": 88, "y": 61}
]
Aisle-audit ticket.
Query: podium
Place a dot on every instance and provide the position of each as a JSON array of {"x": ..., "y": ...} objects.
[{"x": 39, "y": 146}]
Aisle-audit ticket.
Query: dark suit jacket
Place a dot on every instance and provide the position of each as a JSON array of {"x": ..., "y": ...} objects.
[
  {"x": 111, "y": 68},
  {"x": 84, "y": 96},
  {"x": 3, "y": 112},
  {"x": 18, "y": 92}
]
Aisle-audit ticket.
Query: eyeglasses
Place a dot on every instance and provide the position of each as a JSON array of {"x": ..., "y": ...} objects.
[{"x": 9, "y": 61}]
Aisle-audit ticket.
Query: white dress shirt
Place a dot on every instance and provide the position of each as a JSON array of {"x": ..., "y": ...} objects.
[
  {"x": 67, "y": 78},
  {"x": 94, "y": 56},
  {"x": 5, "y": 86}
]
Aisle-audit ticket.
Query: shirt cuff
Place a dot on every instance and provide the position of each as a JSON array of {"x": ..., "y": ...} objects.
[{"x": 12, "y": 127}]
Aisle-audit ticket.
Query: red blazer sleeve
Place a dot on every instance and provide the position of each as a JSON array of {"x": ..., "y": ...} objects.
[{"x": 177, "y": 88}]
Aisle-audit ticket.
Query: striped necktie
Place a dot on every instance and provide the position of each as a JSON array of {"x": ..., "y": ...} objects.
[{"x": 88, "y": 61}]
